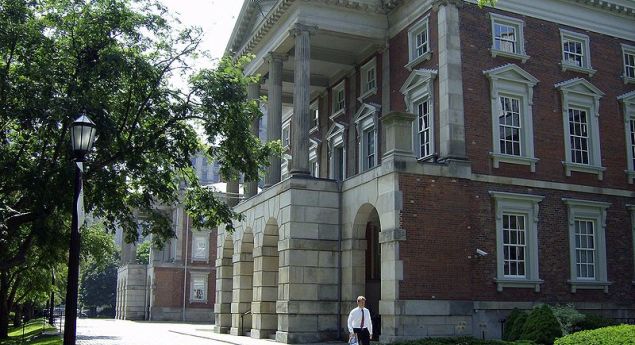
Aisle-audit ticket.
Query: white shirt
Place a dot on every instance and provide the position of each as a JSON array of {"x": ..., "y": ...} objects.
[{"x": 355, "y": 320}]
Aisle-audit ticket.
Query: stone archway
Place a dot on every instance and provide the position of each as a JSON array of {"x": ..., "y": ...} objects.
[
  {"x": 242, "y": 295},
  {"x": 224, "y": 285},
  {"x": 265, "y": 294}
]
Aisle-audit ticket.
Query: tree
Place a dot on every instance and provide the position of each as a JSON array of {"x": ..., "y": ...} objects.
[
  {"x": 143, "y": 253},
  {"x": 112, "y": 59}
]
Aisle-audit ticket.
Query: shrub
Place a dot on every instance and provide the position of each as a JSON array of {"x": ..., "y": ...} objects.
[
  {"x": 567, "y": 316},
  {"x": 517, "y": 328},
  {"x": 541, "y": 326},
  {"x": 622, "y": 334},
  {"x": 593, "y": 321},
  {"x": 515, "y": 315}
]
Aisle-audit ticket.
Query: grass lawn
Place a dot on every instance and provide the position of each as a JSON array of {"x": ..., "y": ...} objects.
[{"x": 32, "y": 334}]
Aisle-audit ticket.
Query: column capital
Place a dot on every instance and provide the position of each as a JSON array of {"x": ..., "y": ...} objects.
[
  {"x": 275, "y": 57},
  {"x": 299, "y": 28},
  {"x": 438, "y": 3}
]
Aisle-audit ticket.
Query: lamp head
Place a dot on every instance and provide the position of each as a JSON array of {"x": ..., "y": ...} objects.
[{"x": 83, "y": 132}]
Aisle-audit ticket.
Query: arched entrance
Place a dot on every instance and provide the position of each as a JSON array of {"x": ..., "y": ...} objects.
[
  {"x": 243, "y": 285},
  {"x": 224, "y": 285},
  {"x": 266, "y": 264}
]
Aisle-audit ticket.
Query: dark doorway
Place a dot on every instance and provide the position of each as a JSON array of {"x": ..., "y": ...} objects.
[{"x": 373, "y": 271}]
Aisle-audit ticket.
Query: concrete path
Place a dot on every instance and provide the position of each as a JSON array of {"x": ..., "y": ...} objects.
[{"x": 122, "y": 332}]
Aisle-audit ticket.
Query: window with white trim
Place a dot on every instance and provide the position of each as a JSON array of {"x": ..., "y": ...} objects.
[
  {"x": 517, "y": 240},
  {"x": 369, "y": 78},
  {"x": 580, "y": 106},
  {"x": 576, "y": 54},
  {"x": 337, "y": 152},
  {"x": 628, "y": 53},
  {"x": 200, "y": 246},
  {"x": 314, "y": 114},
  {"x": 587, "y": 244},
  {"x": 418, "y": 43},
  {"x": 198, "y": 287},
  {"x": 366, "y": 122},
  {"x": 511, "y": 91},
  {"x": 508, "y": 37},
  {"x": 286, "y": 134},
  {"x": 628, "y": 110},
  {"x": 314, "y": 158},
  {"x": 285, "y": 162},
  {"x": 418, "y": 91},
  {"x": 339, "y": 98}
]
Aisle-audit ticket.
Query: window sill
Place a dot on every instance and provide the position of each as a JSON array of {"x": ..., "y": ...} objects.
[
  {"x": 628, "y": 80},
  {"x": 497, "y": 158},
  {"x": 631, "y": 175},
  {"x": 337, "y": 113},
  {"x": 521, "y": 57},
  {"x": 589, "y": 285},
  {"x": 569, "y": 67},
  {"x": 426, "y": 56},
  {"x": 590, "y": 169},
  {"x": 196, "y": 301},
  {"x": 199, "y": 260},
  {"x": 427, "y": 158},
  {"x": 368, "y": 93},
  {"x": 518, "y": 283}
]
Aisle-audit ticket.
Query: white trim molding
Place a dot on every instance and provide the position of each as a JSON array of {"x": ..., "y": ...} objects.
[
  {"x": 419, "y": 51},
  {"x": 576, "y": 52},
  {"x": 590, "y": 215},
  {"x": 366, "y": 122},
  {"x": 512, "y": 46},
  {"x": 336, "y": 110},
  {"x": 581, "y": 104},
  {"x": 418, "y": 91},
  {"x": 628, "y": 58},
  {"x": 511, "y": 95},
  {"x": 518, "y": 269},
  {"x": 628, "y": 108},
  {"x": 366, "y": 71},
  {"x": 314, "y": 157},
  {"x": 197, "y": 277},
  {"x": 200, "y": 236},
  {"x": 335, "y": 141}
]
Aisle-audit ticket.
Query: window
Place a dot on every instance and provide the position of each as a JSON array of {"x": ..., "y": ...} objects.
[
  {"x": 198, "y": 288},
  {"x": 314, "y": 158},
  {"x": 580, "y": 104},
  {"x": 337, "y": 152},
  {"x": 511, "y": 90},
  {"x": 369, "y": 78},
  {"x": 418, "y": 91},
  {"x": 576, "y": 55},
  {"x": 629, "y": 63},
  {"x": 366, "y": 123},
  {"x": 628, "y": 108},
  {"x": 200, "y": 244},
  {"x": 284, "y": 166},
  {"x": 587, "y": 246},
  {"x": 286, "y": 134},
  {"x": 339, "y": 99},
  {"x": 314, "y": 115},
  {"x": 517, "y": 240},
  {"x": 507, "y": 37},
  {"x": 418, "y": 45}
]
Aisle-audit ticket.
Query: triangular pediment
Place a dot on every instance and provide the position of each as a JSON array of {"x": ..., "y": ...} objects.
[
  {"x": 418, "y": 77},
  {"x": 335, "y": 129},
  {"x": 579, "y": 85},
  {"x": 628, "y": 97},
  {"x": 511, "y": 72},
  {"x": 367, "y": 109},
  {"x": 249, "y": 19}
]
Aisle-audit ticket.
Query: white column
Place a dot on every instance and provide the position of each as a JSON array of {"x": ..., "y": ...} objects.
[
  {"x": 274, "y": 114},
  {"x": 253, "y": 93},
  {"x": 301, "y": 100}
]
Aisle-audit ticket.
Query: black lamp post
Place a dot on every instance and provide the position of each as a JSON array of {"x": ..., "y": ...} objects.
[{"x": 82, "y": 138}]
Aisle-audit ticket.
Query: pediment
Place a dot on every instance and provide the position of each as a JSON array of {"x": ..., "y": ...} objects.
[
  {"x": 335, "y": 129},
  {"x": 511, "y": 72},
  {"x": 579, "y": 85},
  {"x": 627, "y": 98},
  {"x": 417, "y": 78},
  {"x": 367, "y": 109},
  {"x": 251, "y": 15}
]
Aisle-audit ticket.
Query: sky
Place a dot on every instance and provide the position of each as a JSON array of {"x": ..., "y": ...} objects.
[{"x": 215, "y": 17}]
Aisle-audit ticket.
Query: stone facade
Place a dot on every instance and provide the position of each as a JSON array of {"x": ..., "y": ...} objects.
[{"x": 441, "y": 131}]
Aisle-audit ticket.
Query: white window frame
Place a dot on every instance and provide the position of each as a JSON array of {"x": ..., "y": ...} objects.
[
  {"x": 366, "y": 121},
  {"x": 336, "y": 109},
  {"x": 202, "y": 236},
  {"x": 630, "y": 50},
  {"x": 512, "y": 81},
  {"x": 314, "y": 113},
  {"x": 414, "y": 58},
  {"x": 419, "y": 87},
  {"x": 566, "y": 35},
  {"x": 631, "y": 209},
  {"x": 527, "y": 206},
  {"x": 578, "y": 93},
  {"x": 628, "y": 109},
  {"x": 314, "y": 158},
  {"x": 286, "y": 138},
  {"x": 596, "y": 212},
  {"x": 285, "y": 162},
  {"x": 519, "y": 43},
  {"x": 198, "y": 276},
  {"x": 335, "y": 139},
  {"x": 369, "y": 67}
]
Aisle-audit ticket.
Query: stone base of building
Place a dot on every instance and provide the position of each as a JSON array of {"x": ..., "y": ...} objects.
[{"x": 176, "y": 314}]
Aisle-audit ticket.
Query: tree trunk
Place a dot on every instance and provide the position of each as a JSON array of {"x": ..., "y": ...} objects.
[
  {"x": 17, "y": 316},
  {"x": 4, "y": 306}
]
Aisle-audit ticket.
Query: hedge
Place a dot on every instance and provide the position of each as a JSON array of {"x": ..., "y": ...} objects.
[{"x": 622, "y": 334}]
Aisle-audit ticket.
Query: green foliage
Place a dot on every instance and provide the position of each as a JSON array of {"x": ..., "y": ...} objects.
[
  {"x": 514, "y": 316},
  {"x": 143, "y": 253},
  {"x": 567, "y": 316},
  {"x": 593, "y": 321},
  {"x": 517, "y": 328},
  {"x": 622, "y": 334},
  {"x": 461, "y": 341},
  {"x": 541, "y": 326},
  {"x": 482, "y": 3}
]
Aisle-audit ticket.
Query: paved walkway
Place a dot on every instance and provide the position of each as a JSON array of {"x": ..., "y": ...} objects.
[{"x": 123, "y": 332}]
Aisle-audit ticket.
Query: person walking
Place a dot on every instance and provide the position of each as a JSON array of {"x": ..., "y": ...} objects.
[{"x": 359, "y": 322}]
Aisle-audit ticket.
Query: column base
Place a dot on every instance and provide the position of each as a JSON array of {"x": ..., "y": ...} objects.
[
  {"x": 262, "y": 333},
  {"x": 220, "y": 329},
  {"x": 238, "y": 332}
]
